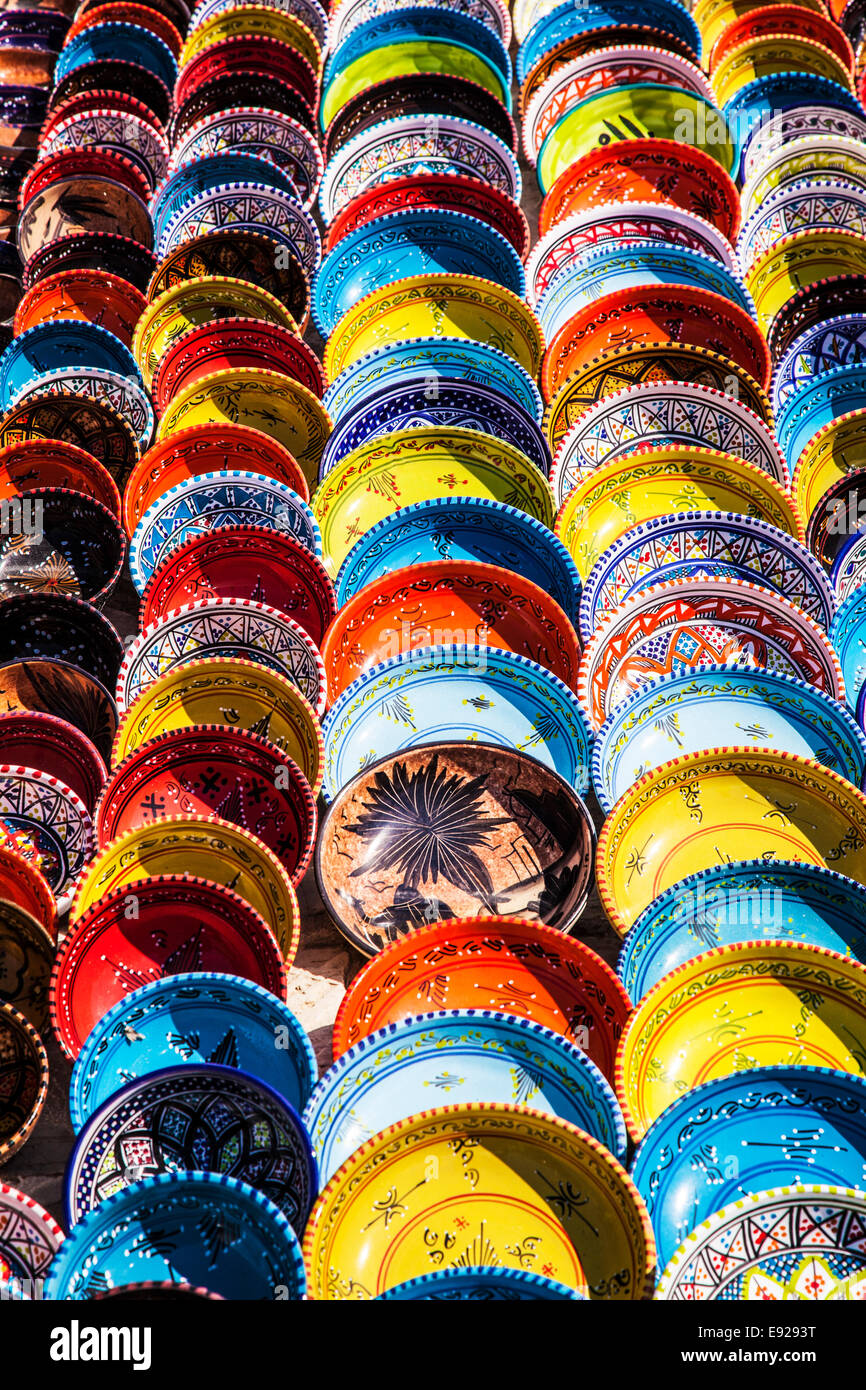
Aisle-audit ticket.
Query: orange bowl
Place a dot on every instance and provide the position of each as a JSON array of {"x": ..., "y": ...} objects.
[
  {"x": 36, "y": 463},
  {"x": 91, "y": 295}
]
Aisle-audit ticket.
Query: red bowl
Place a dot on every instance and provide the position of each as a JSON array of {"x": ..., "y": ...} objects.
[
  {"x": 38, "y": 463},
  {"x": 22, "y": 883},
  {"x": 651, "y": 171},
  {"x": 180, "y": 924},
  {"x": 89, "y": 295},
  {"x": 214, "y": 770},
  {"x": 115, "y": 75},
  {"x": 445, "y": 602},
  {"x": 786, "y": 21},
  {"x": 502, "y": 963},
  {"x": 656, "y": 314},
  {"x": 88, "y": 424},
  {"x": 206, "y": 449},
  {"x": 434, "y": 191},
  {"x": 80, "y": 164},
  {"x": 33, "y": 739},
  {"x": 142, "y": 15},
  {"x": 235, "y": 343},
  {"x": 248, "y": 52},
  {"x": 244, "y": 562}
]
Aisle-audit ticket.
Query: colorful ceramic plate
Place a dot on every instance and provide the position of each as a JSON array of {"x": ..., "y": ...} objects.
[
  {"x": 256, "y": 208},
  {"x": 93, "y": 426},
  {"x": 122, "y": 394},
  {"x": 29, "y": 1240},
  {"x": 61, "y": 690},
  {"x": 51, "y": 346},
  {"x": 25, "y": 1088},
  {"x": 119, "y": 255},
  {"x": 26, "y": 958},
  {"x": 231, "y": 343},
  {"x": 67, "y": 544},
  {"x": 269, "y": 134},
  {"x": 837, "y": 448},
  {"x": 417, "y": 94},
  {"x": 480, "y": 1283},
  {"x": 45, "y": 626},
  {"x": 91, "y": 296},
  {"x": 23, "y": 885},
  {"x": 50, "y": 463},
  {"x": 47, "y": 816},
  {"x": 56, "y": 747},
  {"x": 801, "y": 259},
  {"x": 811, "y": 206},
  {"x": 834, "y": 342},
  {"x": 241, "y": 255},
  {"x": 556, "y": 23}
]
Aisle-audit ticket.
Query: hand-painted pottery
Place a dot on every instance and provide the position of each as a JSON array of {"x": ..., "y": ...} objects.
[
  {"x": 836, "y": 342},
  {"x": 480, "y": 1283},
  {"x": 417, "y": 94},
  {"x": 426, "y": 694},
  {"x": 687, "y": 625},
  {"x": 427, "y": 359},
  {"x": 782, "y": 1124},
  {"x": 516, "y": 1160},
  {"x": 351, "y": 13},
  {"x": 730, "y": 903},
  {"x": 483, "y": 1056},
  {"x": 199, "y": 692},
  {"x": 93, "y": 426},
  {"x": 99, "y": 164},
  {"x": 249, "y": 56},
  {"x": 803, "y": 1242},
  {"x": 468, "y": 529},
  {"x": 407, "y": 243},
  {"x": 803, "y": 258},
  {"x": 672, "y": 716},
  {"x": 256, "y": 21},
  {"x": 777, "y": 54},
  {"x": 112, "y": 40},
  {"x": 847, "y": 573},
  {"x": 257, "y": 208},
  {"x": 122, "y": 394},
  {"x": 25, "y": 1088},
  {"x": 799, "y": 207},
  {"x": 436, "y": 401},
  {"x": 404, "y": 146},
  {"x": 156, "y": 21},
  {"x": 61, "y": 690},
  {"x": 214, "y": 770},
  {"x": 263, "y": 400},
  {"x": 704, "y": 545},
  {"x": 447, "y": 602},
  {"x": 267, "y": 134},
  {"x": 57, "y": 748},
  {"x": 26, "y": 948},
  {"x": 156, "y": 1290},
  {"x": 686, "y": 1031},
  {"x": 826, "y": 158},
  {"x": 205, "y": 847},
  {"x": 115, "y": 74},
  {"x": 308, "y": 11},
  {"x": 193, "y": 1017},
  {"x": 239, "y": 255},
  {"x": 118, "y": 255},
  {"x": 847, "y": 636},
  {"x": 115, "y": 1242},
  {"x": 62, "y": 344},
  {"x": 117, "y": 130},
  {"x": 231, "y": 343},
  {"x": 837, "y": 449},
  {"x": 206, "y": 449},
  {"x": 76, "y": 546},
  {"x": 447, "y": 306},
  {"x": 83, "y": 103},
  {"x": 233, "y": 1125},
  {"x": 784, "y": 22},
  {"x": 91, "y": 296},
  {"x": 235, "y": 564},
  {"x": 763, "y": 97},
  {"x": 473, "y": 810},
  {"x": 194, "y": 177},
  {"x": 796, "y": 124},
  {"x": 401, "y": 469},
  {"x": 42, "y": 627},
  {"x": 179, "y": 924},
  {"x": 837, "y": 518},
  {"x": 560, "y": 22},
  {"x": 443, "y": 191},
  {"x": 50, "y": 818},
  {"x": 656, "y": 315},
  {"x": 208, "y": 502},
  {"x": 23, "y": 885},
  {"x": 29, "y": 1240},
  {"x": 676, "y": 820},
  {"x": 663, "y": 413},
  {"x": 514, "y": 967},
  {"x": 50, "y": 463}
]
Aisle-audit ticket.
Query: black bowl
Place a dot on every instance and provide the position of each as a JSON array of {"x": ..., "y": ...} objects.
[{"x": 35, "y": 627}]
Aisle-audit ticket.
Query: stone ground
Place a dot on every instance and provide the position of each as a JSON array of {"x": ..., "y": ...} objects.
[{"x": 324, "y": 967}]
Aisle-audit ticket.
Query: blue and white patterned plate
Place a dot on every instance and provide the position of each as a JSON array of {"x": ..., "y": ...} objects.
[
  {"x": 450, "y": 692},
  {"x": 124, "y": 394},
  {"x": 192, "y": 1228},
  {"x": 268, "y": 134},
  {"x": 211, "y": 502},
  {"x": 834, "y": 343},
  {"x": 196, "y": 176},
  {"x": 849, "y": 567},
  {"x": 798, "y": 123},
  {"x": 749, "y": 901},
  {"x": 59, "y": 345},
  {"x": 848, "y": 635},
  {"x": 480, "y": 1284},
  {"x": 246, "y": 207},
  {"x": 753, "y": 105},
  {"x": 825, "y": 157},
  {"x": 805, "y": 206},
  {"x": 669, "y": 718},
  {"x": 196, "y": 1017},
  {"x": 569, "y": 19}
]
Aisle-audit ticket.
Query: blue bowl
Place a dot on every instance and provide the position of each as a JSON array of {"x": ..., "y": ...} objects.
[
  {"x": 194, "y": 1118},
  {"x": 418, "y": 241},
  {"x": 772, "y": 1127},
  {"x": 848, "y": 635},
  {"x": 435, "y": 22},
  {"x": 749, "y": 901},
  {"x": 197, "y": 176},
  {"x": 759, "y": 100},
  {"x": 569, "y": 19},
  {"x": 427, "y": 359},
  {"x": 129, "y": 42},
  {"x": 719, "y": 545},
  {"x": 261, "y": 208},
  {"x": 24, "y": 106},
  {"x": 61, "y": 343},
  {"x": 201, "y": 1229},
  {"x": 820, "y": 401},
  {"x": 463, "y": 528},
  {"x": 480, "y": 1283},
  {"x": 212, "y": 502},
  {"x": 451, "y": 692},
  {"x": 43, "y": 30},
  {"x": 438, "y": 403},
  {"x": 472, "y": 1054},
  {"x": 197, "y": 1017},
  {"x": 837, "y": 342},
  {"x": 669, "y": 718}
]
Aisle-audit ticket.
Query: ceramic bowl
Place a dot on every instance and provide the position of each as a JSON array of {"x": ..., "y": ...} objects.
[
  {"x": 91, "y": 425},
  {"x": 251, "y": 207},
  {"x": 63, "y": 691},
  {"x": 234, "y": 1125},
  {"x": 458, "y": 27},
  {"x": 309, "y": 12},
  {"x": 47, "y": 626},
  {"x": 22, "y": 884},
  {"x": 245, "y": 69},
  {"x": 182, "y": 924},
  {"x": 263, "y": 1255},
  {"x": 801, "y": 259},
  {"x": 348, "y": 16},
  {"x": 832, "y": 343},
  {"x": 91, "y": 296},
  {"x": 259, "y": 259},
  {"x": 118, "y": 255},
  {"x": 671, "y": 716},
  {"x": 749, "y": 109},
  {"x": 473, "y": 529},
  {"x": 116, "y": 74},
  {"x": 834, "y": 451},
  {"x": 193, "y": 177},
  {"x": 811, "y": 306},
  {"x": 550, "y": 978},
  {"x": 802, "y": 206},
  {"x": 229, "y": 343},
  {"x": 837, "y": 518},
  {"x": 560, "y": 22},
  {"x": 687, "y": 625},
  {"x": 401, "y": 882},
  {"x": 480, "y": 1282},
  {"x": 112, "y": 40},
  {"x": 25, "y": 1065},
  {"x": 676, "y": 821},
  {"x": 796, "y": 124},
  {"x": 26, "y": 948},
  {"x": 126, "y": 398},
  {"x": 783, "y": 1124},
  {"x": 470, "y": 604},
  {"x": 51, "y": 819},
  {"x": 56, "y": 747},
  {"x": 604, "y": 1249},
  {"x": 60, "y": 344},
  {"x": 32, "y": 1239},
  {"x": 427, "y": 694},
  {"x": 417, "y": 94},
  {"x": 252, "y": 20},
  {"x": 74, "y": 546},
  {"x": 847, "y": 572},
  {"x": 118, "y": 130},
  {"x": 53, "y": 463}
]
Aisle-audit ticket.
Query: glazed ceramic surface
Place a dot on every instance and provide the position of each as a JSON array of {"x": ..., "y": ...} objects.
[
  {"x": 29, "y": 1240},
  {"x": 848, "y": 635},
  {"x": 26, "y": 956},
  {"x": 250, "y": 207},
  {"x": 847, "y": 574},
  {"x": 835, "y": 342},
  {"x": 481, "y": 1284},
  {"x": 269, "y": 134},
  {"x": 25, "y": 1067},
  {"x": 62, "y": 690},
  {"x": 554, "y": 25},
  {"x": 799, "y": 207},
  {"x": 51, "y": 819},
  {"x": 50, "y": 347}
]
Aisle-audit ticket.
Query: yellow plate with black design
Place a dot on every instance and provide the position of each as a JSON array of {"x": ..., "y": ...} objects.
[
  {"x": 256, "y": 21},
  {"x": 837, "y": 449},
  {"x": 798, "y": 260},
  {"x": 776, "y": 53}
]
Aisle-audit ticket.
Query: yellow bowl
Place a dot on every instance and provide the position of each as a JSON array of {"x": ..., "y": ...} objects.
[
  {"x": 403, "y": 59},
  {"x": 396, "y": 470},
  {"x": 654, "y": 482},
  {"x": 260, "y": 21},
  {"x": 263, "y": 400},
  {"x": 480, "y": 1184},
  {"x": 628, "y": 366},
  {"x": 817, "y": 158},
  {"x": 798, "y": 260},
  {"x": 199, "y": 301},
  {"x": 204, "y": 847},
  {"x": 775, "y": 53},
  {"x": 756, "y": 1004},
  {"x": 713, "y": 16},
  {"x": 721, "y": 806},
  {"x": 437, "y": 306},
  {"x": 837, "y": 449},
  {"x": 238, "y": 694}
]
